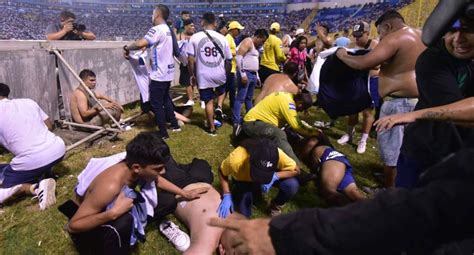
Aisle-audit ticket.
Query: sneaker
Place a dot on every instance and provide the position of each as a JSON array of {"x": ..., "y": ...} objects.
[
  {"x": 189, "y": 103},
  {"x": 176, "y": 236},
  {"x": 346, "y": 138},
  {"x": 321, "y": 124},
  {"x": 237, "y": 128},
  {"x": 274, "y": 209},
  {"x": 46, "y": 193},
  {"x": 212, "y": 132},
  {"x": 361, "y": 147},
  {"x": 180, "y": 123},
  {"x": 217, "y": 124},
  {"x": 219, "y": 114},
  {"x": 6, "y": 193},
  {"x": 176, "y": 129},
  {"x": 203, "y": 105}
]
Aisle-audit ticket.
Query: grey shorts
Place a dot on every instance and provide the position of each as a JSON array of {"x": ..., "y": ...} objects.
[{"x": 390, "y": 141}]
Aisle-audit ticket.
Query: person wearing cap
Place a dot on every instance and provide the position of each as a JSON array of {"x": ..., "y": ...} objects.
[
  {"x": 272, "y": 55},
  {"x": 361, "y": 34},
  {"x": 344, "y": 40},
  {"x": 255, "y": 166},
  {"x": 234, "y": 29},
  {"x": 445, "y": 79},
  {"x": 434, "y": 218},
  {"x": 396, "y": 54}
]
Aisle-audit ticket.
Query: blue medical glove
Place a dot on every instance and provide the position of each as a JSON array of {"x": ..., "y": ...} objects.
[
  {"x": 226, "y": 207},
  {"x": 266, "y": 187}
]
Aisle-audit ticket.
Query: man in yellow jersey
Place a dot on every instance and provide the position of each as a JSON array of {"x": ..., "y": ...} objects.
[
  {"x": 255, "y": 166},
  {"x": 272, "y": 55},
  {"x": 233, "y": 28},
  {"x": 275, "y": 111}
]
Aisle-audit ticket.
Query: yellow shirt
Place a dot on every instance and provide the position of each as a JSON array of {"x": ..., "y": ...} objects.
[
  {"x": 272, "y": 54},
  {"x": 279, "y": 109},
  {"x": 233, "y": 50},
  {"x": 237, "y": 164}
]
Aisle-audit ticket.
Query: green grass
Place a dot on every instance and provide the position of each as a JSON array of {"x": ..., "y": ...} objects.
[{"x": 26, "y": 230}]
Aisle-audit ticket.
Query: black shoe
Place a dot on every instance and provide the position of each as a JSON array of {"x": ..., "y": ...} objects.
[
  {"x": 219, "y": 114},
  {"x": 237, "y": 128},
  {"x": 212, "y": 132},
  {"x": 304, "y": 177}
]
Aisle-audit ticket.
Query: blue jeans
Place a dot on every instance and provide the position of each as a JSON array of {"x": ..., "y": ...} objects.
[
  {"x": 230, "y": 88},
  {"x": 243, "y": 193},
  {"x": 244, "y": 95},
  {"x": 162, "y": 105}
]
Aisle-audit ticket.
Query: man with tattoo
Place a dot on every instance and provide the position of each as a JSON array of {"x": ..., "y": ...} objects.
[
  {"x": 396, "y": 53},
  {"x": 444, "y": 77}
]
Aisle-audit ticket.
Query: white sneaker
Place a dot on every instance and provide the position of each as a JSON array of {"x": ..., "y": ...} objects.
[
  {"x": 344, "y": 139},
  {"x": 6, "y": 193},
  {"x": 189, "y": 103},
  {"x": 361, "y": 147},
  {"x": 46, "y": 193},
  {"x": 203, "y": 105},
  {"x": 178, "y": 238}
]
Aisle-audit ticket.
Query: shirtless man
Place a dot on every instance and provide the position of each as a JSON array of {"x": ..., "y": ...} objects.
[
  {"x": 399, "y": 47},
  {"x": 323, "y": 40},
  {"x": 361, "y": 34},
  {"x": 84, "y": 109},
  {"x": 280, "y": 82}
]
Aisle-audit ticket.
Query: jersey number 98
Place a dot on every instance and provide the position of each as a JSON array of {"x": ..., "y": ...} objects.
[{"x": 208, "y": 51}]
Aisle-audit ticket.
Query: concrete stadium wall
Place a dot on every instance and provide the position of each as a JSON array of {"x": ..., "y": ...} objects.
[
  {"x": 30, "y": 70},
  {"x": 326, "y": 4}
]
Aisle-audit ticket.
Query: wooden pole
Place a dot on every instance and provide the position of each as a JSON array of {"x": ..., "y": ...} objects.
[
  {"x": 85, "y": 139},
  {"x": 56, "y": 52},
  {"x": 90, "y": 126}
]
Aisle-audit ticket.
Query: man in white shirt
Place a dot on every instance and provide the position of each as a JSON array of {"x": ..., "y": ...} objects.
[
  {"x": 24, "y": 131},
  {"x": 160, "y": 39},
  {"x": 207, "y": 65}
]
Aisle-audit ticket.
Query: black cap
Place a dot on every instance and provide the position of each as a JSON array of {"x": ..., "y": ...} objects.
[
  {"x": 263, "y": 159},
  {"x": 360, "y": 28}
]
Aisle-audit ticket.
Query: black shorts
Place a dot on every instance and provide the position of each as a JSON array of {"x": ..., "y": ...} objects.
[{"x": 184, "y": 78}]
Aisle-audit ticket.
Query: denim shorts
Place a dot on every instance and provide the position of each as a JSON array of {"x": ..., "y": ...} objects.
[
  {"x": 390, "y": 141},
  {"x": 209, "y": 94}
]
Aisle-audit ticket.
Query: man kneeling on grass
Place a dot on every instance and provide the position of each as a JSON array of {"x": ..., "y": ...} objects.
[
  {"x": 25, "y": 132},
  {"x": 255, "y": 167}
]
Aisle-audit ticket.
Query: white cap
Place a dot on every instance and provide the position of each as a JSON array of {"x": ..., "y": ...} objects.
[{"x": 299, "y": 31}]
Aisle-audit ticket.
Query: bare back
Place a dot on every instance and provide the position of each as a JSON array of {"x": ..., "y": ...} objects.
[
  {"x": 276, "y": 83},
  {"x": 397, "y": 74}
]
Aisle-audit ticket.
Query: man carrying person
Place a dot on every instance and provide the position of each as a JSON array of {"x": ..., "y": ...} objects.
[
  {"x": 362, "y": 41},
  {"x": 234, "y": 29},
  {"x": 255, "y": 166},
  {"x": 160, "y": 38},
  {"x": 183, "y": 40},
  {"x": 396, "y": 53},
  {"x": 272, "y": 55},
  {"x": 208, "y": 51},
  {"x": 247, "y": 75},
  {"x": 67, "y": 29},
  {"x": 25, "y": 132},
  {"x": 84, "y": 108},
  {"x": 444, "y": 77}
]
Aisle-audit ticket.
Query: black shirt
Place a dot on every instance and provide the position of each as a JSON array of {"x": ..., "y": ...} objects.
[{"x": 442, "y": 79}]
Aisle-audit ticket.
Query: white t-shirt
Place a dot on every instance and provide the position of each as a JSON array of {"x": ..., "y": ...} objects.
[
  {"x": 141, "y": 73},
  {"x": 98, "y": 165},
  {"x": 210, "y": 70},
  {"x": 162, "y": 60},
  {"x": 23, "y": 133}
]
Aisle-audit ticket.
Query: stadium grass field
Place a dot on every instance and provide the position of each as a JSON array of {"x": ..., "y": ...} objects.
[{"x": 26, "y": 230}]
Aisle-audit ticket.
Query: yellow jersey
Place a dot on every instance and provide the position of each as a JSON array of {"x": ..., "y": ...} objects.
[
  {"x": 272, "y": 54},
  {"x": 237, "y": 164},
  {"x": 279, "y": 109},
  {"x": 233, "y": 50}
]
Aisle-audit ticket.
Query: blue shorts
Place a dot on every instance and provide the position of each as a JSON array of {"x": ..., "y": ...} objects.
[
  {"x": 374, "y": 91},
  {"x": 10, "y": 177},
  {"x": 331, "y": 154},
  {"x": 209, "y": 94}
]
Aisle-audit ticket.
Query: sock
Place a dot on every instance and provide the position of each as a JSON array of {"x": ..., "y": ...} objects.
[
  {"x": 364, "y": 137},
  {"x": 8, "y": 192},
  {"x": 350, "y": 130}
]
